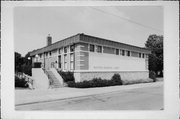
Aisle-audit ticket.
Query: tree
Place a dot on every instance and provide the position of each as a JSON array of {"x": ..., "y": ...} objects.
[
  {"x": 22, "y": 64},
  {"x": 155, "y": 44}
]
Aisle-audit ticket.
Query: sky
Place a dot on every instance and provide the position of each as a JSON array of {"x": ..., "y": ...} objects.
[{"x": 126, "y": 24}]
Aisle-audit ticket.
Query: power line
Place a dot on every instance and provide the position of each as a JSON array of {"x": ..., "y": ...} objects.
[{"x": 131, "y": 21}]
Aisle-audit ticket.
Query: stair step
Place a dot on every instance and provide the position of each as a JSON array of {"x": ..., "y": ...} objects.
[{"x": 55, "y": 81}]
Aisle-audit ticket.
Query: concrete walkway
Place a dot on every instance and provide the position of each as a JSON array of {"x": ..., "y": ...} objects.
[{"x": 23, "y": 97}]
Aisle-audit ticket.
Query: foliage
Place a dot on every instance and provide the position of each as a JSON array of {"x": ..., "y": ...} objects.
[
  {"x": 152, "y": 75},
  {"x": 97, "y": 82},
  {"x": 20, "y": 82},
  {"x": 155, "y": 44},
  {"x": 137, "y": 81},
  {"x": 117, "y": 79},
  {"x": 67, "y": 76},
  {"x": 22, "y": 64}
]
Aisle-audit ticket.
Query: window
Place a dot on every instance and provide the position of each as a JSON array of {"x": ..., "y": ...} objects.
[
  {"x": 117, "y": 51},
  {"x": 60, "y": 51},
  {"x": 128, "y": 53},
  {"x": 143, "y": 55},
  {"x": 99, "y": 49},
  {"x": 65, "y": 49},
  {"x": 46, "y": 54},
  {"x": 72, "y": 48},
  {"x": 40, "y": 55},
  {"x": 72, "y": 61},
  {"x": 65, "y": 62},
  {"x": 49, "y": 53},
  {"x": 122, "y": 52},
  {"x": 139, "y": 55},
  {"x": 59, "y": 59},
  {"x": 91, "y": 49}
]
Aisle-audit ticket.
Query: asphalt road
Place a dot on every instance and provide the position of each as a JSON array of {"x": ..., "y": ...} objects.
[{"x": 148, "y": 98}]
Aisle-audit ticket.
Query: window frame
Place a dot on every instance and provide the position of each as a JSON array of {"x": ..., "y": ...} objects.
[
  {"x": 99, "y": 51},
  {"x": 91, "y": 47},
  {"x": 117, "y": 51}
]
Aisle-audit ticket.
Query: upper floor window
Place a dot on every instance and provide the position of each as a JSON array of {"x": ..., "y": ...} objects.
[
  {"x": 46, "y": 54},
  {"x": 128, "y": 53},
  {"x": 72, "y": 61},
  {"x": 65, "y": 49},
  {"x": 60, "y": 51},
  {"x": 143, "y": 55},
  {"x": 122, "y": 52},
  {"x": 40, "y": 55},
  {"x": 72, "y": 48},
  {"x": 139, "y": 55},
  {"x": 91, "y": 48},
  {"x": 99, "y": 49},
  {"x": 65, "y": 62},
  {"x": 117, "y": 51}
]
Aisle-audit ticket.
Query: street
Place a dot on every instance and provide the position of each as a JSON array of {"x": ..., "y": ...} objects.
[{"x": 146, "y": 98}]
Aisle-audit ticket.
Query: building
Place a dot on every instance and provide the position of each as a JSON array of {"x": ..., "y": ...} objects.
[{"x": 89, "y": 57}]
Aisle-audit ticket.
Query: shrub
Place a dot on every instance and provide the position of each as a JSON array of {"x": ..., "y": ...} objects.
[
  {"x": 20, "y": 82},
  {"x": 67, "y": 76},
  {"x": 27, "y": 69},
  {"x": 152, "y": 75},
  {"x": 116, "y": 79},
  {"x": 97, "y": 82},
  {"x": 128, "y": 82},
  {"x": 71, "y": 84}
]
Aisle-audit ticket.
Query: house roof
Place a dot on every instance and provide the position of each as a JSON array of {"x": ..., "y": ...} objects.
[{"x": 88, "y": 39}]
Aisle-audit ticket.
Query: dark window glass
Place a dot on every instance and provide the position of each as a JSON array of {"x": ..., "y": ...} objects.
[
  {"x": 117, "y": 51},
  {"x": 143, "y": 55},
  {"x": 139, "y": 55},
  {"x": 65, "y": 49},
  {"x": 91, "y": 49},
  {"x": 128, "y": 53},
  {"x": 123, "y": 52},
  {"x": 72, "y": 48}
]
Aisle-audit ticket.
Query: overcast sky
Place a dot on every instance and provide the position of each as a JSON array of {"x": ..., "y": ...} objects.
[{"x": 33, "y": 24}]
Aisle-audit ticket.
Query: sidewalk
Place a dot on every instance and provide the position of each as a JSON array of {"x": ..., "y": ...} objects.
[{"x": 35, "y": 96}]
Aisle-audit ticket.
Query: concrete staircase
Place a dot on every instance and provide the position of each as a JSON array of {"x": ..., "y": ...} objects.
[{"x": 54, "y": 82}]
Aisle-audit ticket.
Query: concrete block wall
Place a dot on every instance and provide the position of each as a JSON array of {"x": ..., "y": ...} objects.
[{"x": 130, "y": 75}]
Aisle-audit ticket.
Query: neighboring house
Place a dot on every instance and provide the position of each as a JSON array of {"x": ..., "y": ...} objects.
[{"x": 89, "y": 57}]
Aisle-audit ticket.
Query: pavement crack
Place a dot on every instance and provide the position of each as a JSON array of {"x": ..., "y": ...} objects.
[{"x": 101, "y": 100}]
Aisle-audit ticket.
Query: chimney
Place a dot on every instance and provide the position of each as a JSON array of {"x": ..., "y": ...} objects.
[{"x": 49, "y": 40}]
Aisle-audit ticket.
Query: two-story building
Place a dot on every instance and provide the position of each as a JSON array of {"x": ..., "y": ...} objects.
[{"x": 89, "y": 57}]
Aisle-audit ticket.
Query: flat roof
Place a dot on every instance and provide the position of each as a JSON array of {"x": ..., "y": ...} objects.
[{"x": 83, "y": 38}]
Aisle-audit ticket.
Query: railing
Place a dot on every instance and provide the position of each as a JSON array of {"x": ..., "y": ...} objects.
[
  {"x": 27, "y": 78},
  {"x": 30, "y": 81}
]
